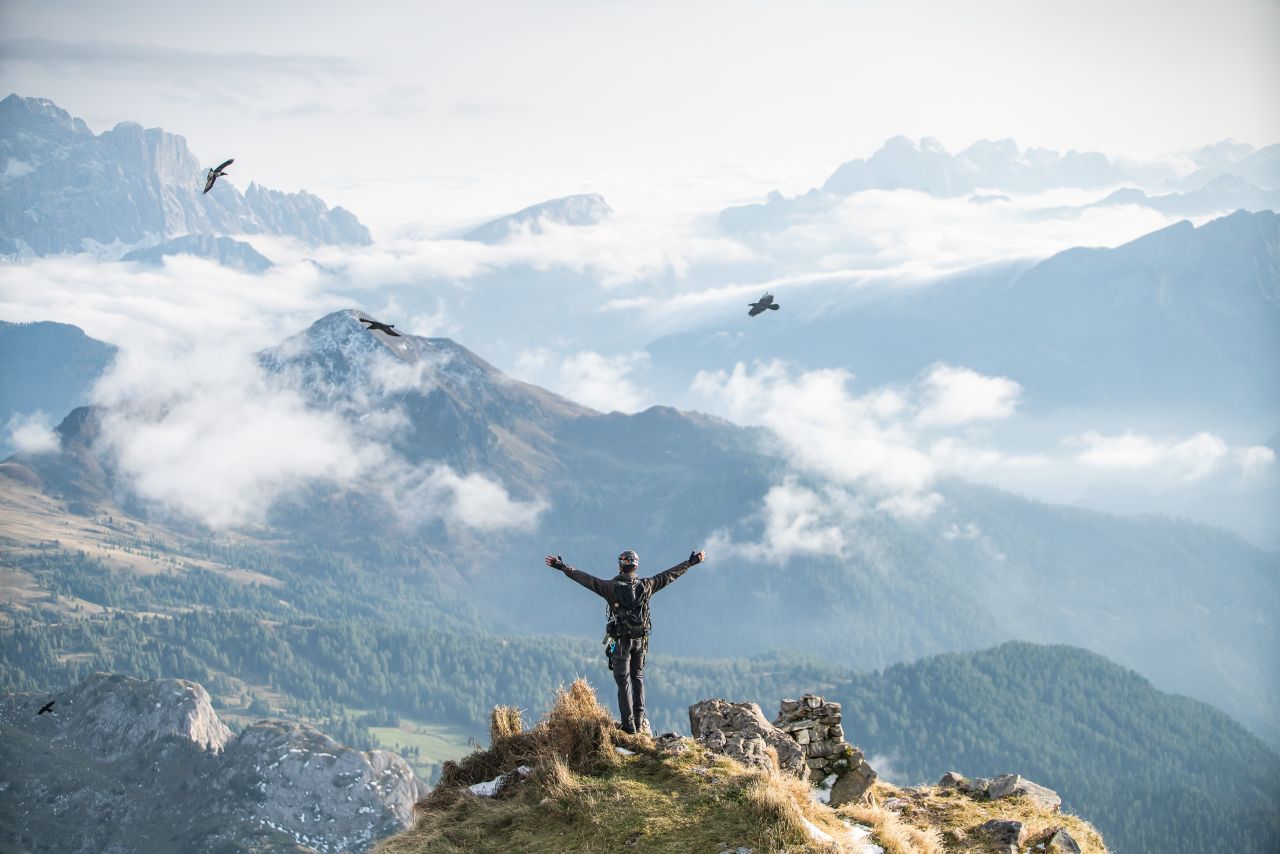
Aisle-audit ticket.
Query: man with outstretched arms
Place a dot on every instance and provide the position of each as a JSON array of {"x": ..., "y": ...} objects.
[{"x": 628, "y": 598}]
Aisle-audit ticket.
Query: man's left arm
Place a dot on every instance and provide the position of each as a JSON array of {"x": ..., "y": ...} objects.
[{"x": 662, "y": 579}]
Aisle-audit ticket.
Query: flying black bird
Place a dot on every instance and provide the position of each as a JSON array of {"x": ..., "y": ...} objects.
[
  {"x": 215, "y": 174},
  {"x": 47, "y": 707},
  {"x": 764, "y": 302},
  {"x": 389, "y": 328}
]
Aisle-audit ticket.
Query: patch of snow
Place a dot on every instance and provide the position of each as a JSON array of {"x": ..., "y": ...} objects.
[
  {"x": 625, "y": 752},
  {"x": 487, "y": 789},
  {"x": 818, "y": 834},
  {"x": 858, "y": 833},
  {"x": 822, "y": 792}
]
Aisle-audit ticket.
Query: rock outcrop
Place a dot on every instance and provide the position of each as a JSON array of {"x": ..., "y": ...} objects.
[
  {"x": 109, "y": 717},
  {"x": 1003, "y": 786},
  {"x": 131, "y": 765},
  {"x": 742, "y": 732},
  {"x": 65, "y": 189}
]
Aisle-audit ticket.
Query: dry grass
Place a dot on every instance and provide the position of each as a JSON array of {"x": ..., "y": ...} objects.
[
  {"x": 504, "y": 722},
  {"x": 577, "y": 732},
  {"x": 935, "y": 820},
  {"x": 892, "y": 833},
  {"x": 582, "y": 795}
]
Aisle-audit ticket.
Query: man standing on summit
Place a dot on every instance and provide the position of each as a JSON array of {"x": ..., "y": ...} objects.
[{"x": 628, "y": 597}]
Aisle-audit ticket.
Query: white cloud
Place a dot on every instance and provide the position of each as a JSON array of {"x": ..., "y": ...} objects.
[
  {"x": 32, "y": 434},
  {"x": 1255, "y": 461},
  {"x": 212, "y": 437},
  {"x": 870, "y": 440},
  {"x": 471, "y": 501},
  {"x": 792, "y": 520},
  {"x": 605, "y": 383},
  {"x": 1190, "y": 459},
  {"x": 959, "y": 396}
]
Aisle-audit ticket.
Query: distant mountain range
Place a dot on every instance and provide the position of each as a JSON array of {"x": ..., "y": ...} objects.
[
  {"x": 129, "y": 766},
  {"x": 64, "y": 189},
  {"x": 586, "y": 209},
  {"x": 1181, "y": 318},
  {"x": 1136, "y": 590},
  {"x": 986, "y": 166}
]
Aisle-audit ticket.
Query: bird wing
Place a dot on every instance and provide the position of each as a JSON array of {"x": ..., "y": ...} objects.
[
  {"x": 225, "y": 165},
  {"x": 208, "y": 182},
  {"x": 755, "y": 309}
]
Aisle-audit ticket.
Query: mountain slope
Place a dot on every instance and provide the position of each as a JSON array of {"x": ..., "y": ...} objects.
[
  {"x": 66, "y": 190},
  {"x": 46, "y": 367},
  {"x": 1154, "y": 772},
  {"x": 1137, "y": 590}
]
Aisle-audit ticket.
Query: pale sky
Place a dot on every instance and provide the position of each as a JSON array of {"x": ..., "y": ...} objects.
[{"x": 444, "y": 112}]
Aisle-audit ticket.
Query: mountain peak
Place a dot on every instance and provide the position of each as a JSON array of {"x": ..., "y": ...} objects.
[{"x": 577, "y": 210}]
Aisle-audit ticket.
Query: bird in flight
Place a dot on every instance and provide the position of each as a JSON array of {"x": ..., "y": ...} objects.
[
  {"x": 765, "y": 302},
  {"x": 47, "y": 707},
  {"x": 389, "y": 328},
  {"x": 215, "y": 174}
]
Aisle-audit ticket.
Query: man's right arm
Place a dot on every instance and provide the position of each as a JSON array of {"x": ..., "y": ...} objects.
[{"x": 599, "y": 586}]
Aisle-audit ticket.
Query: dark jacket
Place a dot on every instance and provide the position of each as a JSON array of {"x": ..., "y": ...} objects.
[{"x": 604, "y": 587}]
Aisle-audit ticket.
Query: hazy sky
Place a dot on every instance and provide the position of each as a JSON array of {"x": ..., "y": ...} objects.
[{"x": 436, "y": 112}]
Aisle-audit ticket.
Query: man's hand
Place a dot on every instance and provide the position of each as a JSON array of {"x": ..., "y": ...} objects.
[
  {"x": 555, "y": 562},
  {"x": 696, "y": 558}
]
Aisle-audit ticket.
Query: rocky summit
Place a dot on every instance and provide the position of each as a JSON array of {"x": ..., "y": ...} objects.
[
  {"x": 129, "y": 765},
  {"x": 65, "y": 189}
]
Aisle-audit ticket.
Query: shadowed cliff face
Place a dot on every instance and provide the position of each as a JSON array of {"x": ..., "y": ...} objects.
[{"x": 130, "y": 765}]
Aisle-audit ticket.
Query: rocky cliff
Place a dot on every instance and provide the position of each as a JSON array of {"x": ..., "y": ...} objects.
[
  {"x": 128, "y": 765},
  {"x": 65, "y": 189}
]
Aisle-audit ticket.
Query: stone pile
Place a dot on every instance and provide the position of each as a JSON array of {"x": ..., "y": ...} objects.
[{"x": 816, "y": 727}]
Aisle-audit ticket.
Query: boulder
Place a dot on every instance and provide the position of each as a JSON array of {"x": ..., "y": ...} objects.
[
  {"x": 1010, "y": 785},
  {"x": 852, "y": 784},
  {"x": 741, "y": 731},
  {"x": 1062, "y": 843},
  {"x": 1005, "y": 832},
  {"x": 952, "y": 780}
]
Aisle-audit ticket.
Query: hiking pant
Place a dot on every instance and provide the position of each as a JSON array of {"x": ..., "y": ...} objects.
[{"x": 628, "y": 672}]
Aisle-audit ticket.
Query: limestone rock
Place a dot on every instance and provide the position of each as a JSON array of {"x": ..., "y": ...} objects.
[
  {"x": 1062, "y": 843},
  {"x": 951, "y": 780},
  {"x": 109, "y": 716},
  {"x": 741, "y": 731},
  {"x": 123, "y": 759},
  {"x": 1009, "y": 785},
  {"x": 1005, "y": 832},
  {"x": 853, "y": 784}
]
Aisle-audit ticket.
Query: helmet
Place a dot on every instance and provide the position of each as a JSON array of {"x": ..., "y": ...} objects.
[{"x": 629, "y": 558}]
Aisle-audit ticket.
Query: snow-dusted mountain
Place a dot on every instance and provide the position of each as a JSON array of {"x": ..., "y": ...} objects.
[
  {"x": 65, "y": 189},
  {"x": 1230, "y": 175},
  {"x": 579, "y": 210}
]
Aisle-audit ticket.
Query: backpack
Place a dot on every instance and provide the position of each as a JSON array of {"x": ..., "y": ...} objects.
[{"x": 629, "y": 611}]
